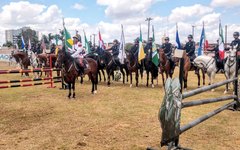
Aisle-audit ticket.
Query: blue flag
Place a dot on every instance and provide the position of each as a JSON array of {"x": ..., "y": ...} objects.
[
  {"x": 201, "y": 43},
  {"x": 178, "y": 40},
  {"x": 23, "y": 43}
]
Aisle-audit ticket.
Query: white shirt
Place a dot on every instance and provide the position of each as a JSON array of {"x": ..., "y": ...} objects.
[{"x": 76, "y": 50}]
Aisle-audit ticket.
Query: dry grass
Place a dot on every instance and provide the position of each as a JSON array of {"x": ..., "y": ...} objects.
[{"x": 118, "y": 117}]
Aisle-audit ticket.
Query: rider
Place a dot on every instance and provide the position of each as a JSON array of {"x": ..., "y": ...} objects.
[
  {"x": 77, "y": 53},
  {"x": 190, "y": 48},
  {"x": 236, "y": 42},
  {"x": 148, "y": 47},
  {"x": 53, "y": 48},
  {"x": 135, "y": 47},
  {"x": 167, "y": 48},
  {"x": 219, "y": 62},
  {"x": 115, "y": 50}
]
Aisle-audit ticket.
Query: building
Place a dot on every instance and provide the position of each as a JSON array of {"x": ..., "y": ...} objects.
[{"x": 11, "y": 35}]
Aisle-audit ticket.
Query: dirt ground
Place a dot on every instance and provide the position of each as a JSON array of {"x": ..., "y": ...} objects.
[{"x": 116, "y": 118}]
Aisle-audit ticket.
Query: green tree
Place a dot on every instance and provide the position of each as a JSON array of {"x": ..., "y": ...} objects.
[{"x": 8, "y": 44}]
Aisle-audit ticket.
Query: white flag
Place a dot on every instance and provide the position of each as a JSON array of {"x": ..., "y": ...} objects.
[{"x": 122, "y": 54}]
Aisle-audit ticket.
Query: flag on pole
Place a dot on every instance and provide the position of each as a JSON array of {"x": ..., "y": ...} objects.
[
  {"x": 101, "y": 43},
  {"x": 67, "y": 38},
  {"x": 177, "y": 39},
  {"x": 202, "y": 42},
  {"x": 29, "y": 45},
  {"x": 221, "y": 42},
  {"x": 87, "y": 46},
  {"x": 23, "y": 43},
  {"x": 155, "y": 56},
  {"x": 141, "y": 54},
  {"x": 122, "y": 54}
]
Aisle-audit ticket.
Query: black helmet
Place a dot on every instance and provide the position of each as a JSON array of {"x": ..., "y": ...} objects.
[
  {"x": 166, "y": 38},
  {"x": 115, "y": 40},
  {"x": 150, "y": 39},
  {"x": 190, "y": 36},
  {"x": 236, "y": 34},
  {"x": 136, "y": 40}
]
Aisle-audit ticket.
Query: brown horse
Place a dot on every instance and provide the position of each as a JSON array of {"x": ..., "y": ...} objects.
[
  {"x": 70, "y": 70},
  {"x": 23, "y": 59},
  {"x": 164, "y": 66},
  {"x": 188, "y": 66},
  {"x": 134, "y": 66}
]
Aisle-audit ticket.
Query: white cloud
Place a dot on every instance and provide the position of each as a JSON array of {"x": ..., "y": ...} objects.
[
  {"x": 78, "y": 6},
  {"x": 188, "y": 12},
  {"x": 225, "y": 3},
  {"x": 125, "y": 8}
]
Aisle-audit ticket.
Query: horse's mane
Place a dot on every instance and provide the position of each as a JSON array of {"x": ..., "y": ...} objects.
[{"x": 67, "y": 54}]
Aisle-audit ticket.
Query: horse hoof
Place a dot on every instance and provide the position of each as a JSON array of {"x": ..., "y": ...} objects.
[
  {"x": 152, "y": 85},
  {"x": 225, "y": 92},
  {"x": 130, "y": 85},
  {"x": 185, "y": 89},
  {"x": 199, "y": 86},
  {"x": 95, "y": 92},
  {"x": 212, "y": 90}
]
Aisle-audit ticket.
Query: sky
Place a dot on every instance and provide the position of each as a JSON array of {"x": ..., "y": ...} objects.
[{"x": 107, "y": 16}]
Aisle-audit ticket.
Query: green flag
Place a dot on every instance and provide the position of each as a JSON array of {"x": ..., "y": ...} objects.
[
  {"x": 56, "y": 39},
  {"x": 87, "y": 46},
  {"x": 155, "y": 56},
  {"x": 68, "y": 39},
  {"x": 141, "y": 54}
]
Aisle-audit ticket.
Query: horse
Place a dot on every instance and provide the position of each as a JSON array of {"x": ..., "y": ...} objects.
[
  {"x": 133, "y": 66},
  {"x": 150, "y": 68},
  {"x": 14, "y": 59},
  {"x": 208, "y": 64},
  {"x": 230, "y": 65},
  {"x": 165, "y": 66},
  {"x": 71, "y": 71},
  {"x": 112, "y": 65},
  {"x": 23, "y": 60},
  {"x": 188, "y": 66}
]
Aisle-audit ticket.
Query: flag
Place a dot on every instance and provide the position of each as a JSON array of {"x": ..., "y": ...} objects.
[
  {"x": 43, "y": 45},
  {"x": 87, "y": 46},
  {"x": 23, "y": 43},
  {"x": 101, "y": 43},
  {"x": 141, "y": 54},
  {"x": 68, "y": 39},
  {"x": 221, "y": 42},
  {"x": 122, "y": 54},
  {"x": 155, "y": 56},
  {"x": 177, "y": 39},
  {"x": 16, "y": 46},
  {"x": 29, "y": 45},
  {"x": 202, "y": 42}
]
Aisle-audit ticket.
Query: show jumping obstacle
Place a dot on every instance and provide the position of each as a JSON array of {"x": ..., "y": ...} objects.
[
  {"x": 170, "y": 112},
  {"x": 48, "y": 80}
]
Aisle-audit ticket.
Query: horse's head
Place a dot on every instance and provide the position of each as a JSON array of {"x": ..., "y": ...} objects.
[
  {"x": 60, "y": 57},
  {"x": 232, "y": 54}
]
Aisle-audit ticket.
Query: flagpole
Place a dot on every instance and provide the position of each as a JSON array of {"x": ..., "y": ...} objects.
[{"x": 204, "y": 40}]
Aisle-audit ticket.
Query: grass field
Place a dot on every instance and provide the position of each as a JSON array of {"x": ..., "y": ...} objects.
[{"x": 117, "y": 117}]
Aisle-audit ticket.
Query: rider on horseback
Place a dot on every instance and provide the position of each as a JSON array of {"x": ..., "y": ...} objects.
[
  {"x": 190, "y": 48},
  {"x": 77, "y": 53},
  {"x": 236, "y": 42},
  {"x": 115, "y": 50},
  {"x": 167, "y": 48},
  {"x": 148, "y": 47},
  {"x": 135, "y": 47}
]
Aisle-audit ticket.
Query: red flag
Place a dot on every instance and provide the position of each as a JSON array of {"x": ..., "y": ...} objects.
[{"x": 101, "y": 43}]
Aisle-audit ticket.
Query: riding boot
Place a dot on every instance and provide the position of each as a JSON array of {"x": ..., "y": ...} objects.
[{"x": 80, "y": 67}]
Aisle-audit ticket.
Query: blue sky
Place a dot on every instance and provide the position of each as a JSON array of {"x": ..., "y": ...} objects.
[{"x": 107, "y": 15}]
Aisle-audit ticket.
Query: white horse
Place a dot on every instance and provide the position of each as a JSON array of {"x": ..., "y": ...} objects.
[
  {"x": 230, "y": 65},
  {"x": 34, "y": 62},
  {"x": 208, "y": 64}
]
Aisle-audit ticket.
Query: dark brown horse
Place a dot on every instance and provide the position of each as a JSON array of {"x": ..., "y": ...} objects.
[
  {"x": 188, "y": 66},
  {"x": 70, "y": 70},
  {"x": 133, "y": 66},
  {"x": 23, "y": 59},
  {"x": 165, "y": 66},
  {"x": 150, "y": 68}
]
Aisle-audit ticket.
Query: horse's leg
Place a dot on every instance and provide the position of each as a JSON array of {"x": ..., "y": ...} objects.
[
  {"x": 163, "y": 80},
  {"x": 104, "y": 75},
  {"x": 95, "y": 83},
  {"x": 127, "y": 71},
  {"x": 147, "y": 77},
  {"x": 108, "y": 74},
  {"x": 123, "y": 73},
  {"x": 136, "y": 77},
  {"x": 81, "y": 80},
  {"x": 152, "y": 78},
  {"x": 130, "y": 73},
  {"x": 203, "y": 75},
  {"x": 185, "y": 79},
  {"x": 69, "y": 90},
  {"x": 198, "y": 76},
  {"x": 73, "y": 87},
  {"x": 100, "y": 77}
]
